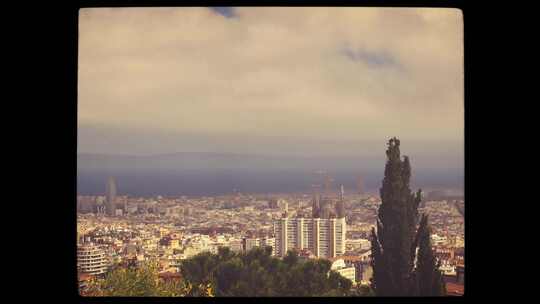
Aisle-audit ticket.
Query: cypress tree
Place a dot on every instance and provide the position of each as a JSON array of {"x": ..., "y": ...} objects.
[
  {"x": 428, "y": 277},
  {"x": 394, "y": 243}
]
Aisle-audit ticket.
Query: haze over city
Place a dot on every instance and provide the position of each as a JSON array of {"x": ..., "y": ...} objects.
[{"x": 296, "y": 89}]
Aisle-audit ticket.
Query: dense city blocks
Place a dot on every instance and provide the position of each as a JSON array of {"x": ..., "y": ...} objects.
[{"x": 171, "y": 229}]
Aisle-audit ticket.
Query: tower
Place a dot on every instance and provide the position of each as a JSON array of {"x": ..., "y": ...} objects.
[
  {"x": 111, "y": 196},
  {"x": 340, "y": 205},
  {"x": 360, "y": 185},
  {"x": 316, "y": 202},
  {"x": 325, "y": 206},
  {"x": 327, "y": 185}
]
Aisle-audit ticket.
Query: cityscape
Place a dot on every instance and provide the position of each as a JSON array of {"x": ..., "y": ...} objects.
[
  {"x": 118, "y": 229},
  {"x": 202, "y": 173}
]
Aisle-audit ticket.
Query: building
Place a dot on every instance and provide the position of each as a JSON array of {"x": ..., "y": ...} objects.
[
  {"x": 86, "y": 204},
  {"x": 340, "y": 205},
  {"x": 111, "y": 196},
  {"x": 252, "y": 243},
  {"x": 460, "y": 274},
  {"x": 99, "y": 205},
  {"x": 316, "y": 205},
  {"x": 323, "y": 234},
  {"x": 325, "y": 208},
  {"x": 347, "y": 271},
  {"x": 447, "y": 269},
  {"x": 91, "y": 259},
  {"x": 455, "y": 285},
  {"x": 358, "y": 244},
  {"x": 366, "y": 272},
  {"x": 438, "y": 240},
  {"x": 323, "y": 237},
  {"x": 305, "y": 254},
  {"x": 269, "y": 241},
  {"x": 273, "y": 203},
  {"x": 283, "y": 205},
  {"x": 362, "y": 265},
  {"x": 454, "y": 289},
  {"x": 84, "y": 280},
  {"x": 236, "y": 245}
]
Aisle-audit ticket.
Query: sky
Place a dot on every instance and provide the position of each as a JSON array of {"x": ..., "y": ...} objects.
[{"x": 302, "y": 81}]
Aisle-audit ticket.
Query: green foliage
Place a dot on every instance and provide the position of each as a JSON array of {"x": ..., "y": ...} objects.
[
  {"x": 198, "y": 269},
  {"x": 363, "y": 291},
  {"x": 136, "y": 282},
  {"x": 395, "y": 243},
  {"x": 290, "y": 259},
  {"x": 258, "y": 274},
  {"x": 144, "y": 281},
  {"x": 429, "y": 280}
]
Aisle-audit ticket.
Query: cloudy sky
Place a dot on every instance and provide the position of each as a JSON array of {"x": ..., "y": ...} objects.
[{"x": 325, "y": 81}]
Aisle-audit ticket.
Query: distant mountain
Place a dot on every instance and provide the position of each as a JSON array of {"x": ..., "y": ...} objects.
[
  {"x": 205, "y": 161},
  {"x": 192, "y": 173}
]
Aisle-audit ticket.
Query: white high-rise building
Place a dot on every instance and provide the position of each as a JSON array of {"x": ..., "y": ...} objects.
[
  {"x": 91, "y": 259},
  {"x": 324, "y": 237}
]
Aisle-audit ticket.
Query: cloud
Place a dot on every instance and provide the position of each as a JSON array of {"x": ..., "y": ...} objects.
[
  {"x": 315, "y": 73},
  {"x": 372, "y": 59},
  {"x": 227, "y": 12}
]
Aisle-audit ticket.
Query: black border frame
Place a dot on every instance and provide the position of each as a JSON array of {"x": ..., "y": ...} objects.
[{"x": 71, "y": 14}]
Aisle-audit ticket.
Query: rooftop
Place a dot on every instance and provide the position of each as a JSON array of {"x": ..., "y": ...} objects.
[
  {"x": 350, "y": 258},
  {"x": 454, "y": 289}
]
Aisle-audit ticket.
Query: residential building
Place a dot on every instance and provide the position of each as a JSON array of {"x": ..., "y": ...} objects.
[
  {"x": 91, "y": 259},
  {"x": 252, "y": 243},
  {"x": 269, "y": 241},
  {"x": 236, "y": 245},
  {"x": 325, "y": 238},
  {"x": 347, "y": 271}
]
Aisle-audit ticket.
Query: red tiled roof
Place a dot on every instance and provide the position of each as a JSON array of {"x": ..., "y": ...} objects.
[
  {"x": 169, "y": 275},
  {"x": 454, "y": 289},
  {"x": 84, "y": 277}
]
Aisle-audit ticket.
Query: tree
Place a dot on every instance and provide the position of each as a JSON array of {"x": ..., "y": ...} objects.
[
  {"x": 144, "y": 281},
  {"x": 393, "y": 246},
  {"x": 198, "y": 269},
  {"x": 253, "y": 274},
  {"x": 256, "y": 273},
  {"x": 291, "y": 258},
  {"x": 137, "y": 282},
  {"x": 362, "y": 291},
  {"x": 340, "y": 285},
  {"x": 429, "y": 279}
]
